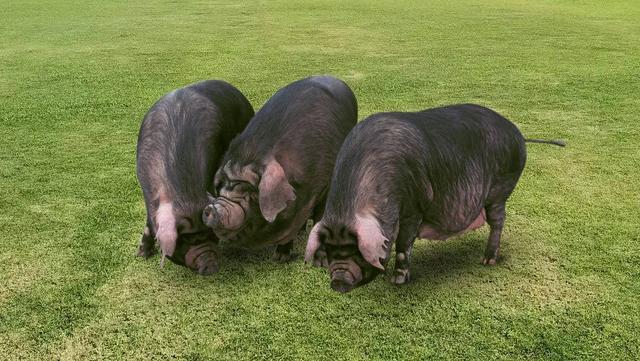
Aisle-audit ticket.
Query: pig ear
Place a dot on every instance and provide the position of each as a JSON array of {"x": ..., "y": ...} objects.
[
  {"x": 313, "y": 244},
  {"x": 373, "y": 245},
  {"x": 166, "y": 232},
  {"x": 274, "y": 191}
]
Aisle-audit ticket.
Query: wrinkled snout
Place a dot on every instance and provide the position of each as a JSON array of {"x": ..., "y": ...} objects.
[
  {"x": 345, "y": 275},
  {"x": 224, "y": 216}
]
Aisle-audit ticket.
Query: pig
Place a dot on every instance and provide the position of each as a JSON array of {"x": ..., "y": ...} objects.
[
  {"x": 431, "y": 174},
  {"x": 276, "y": 173},
  {"x": 181, "y": 142}
]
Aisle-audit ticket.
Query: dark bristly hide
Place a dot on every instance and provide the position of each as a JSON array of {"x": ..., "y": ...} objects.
[
  {"x": 430, "y": 174},
  {"x": 182, "y": 139},
  {"x": 275, "y": 175}
]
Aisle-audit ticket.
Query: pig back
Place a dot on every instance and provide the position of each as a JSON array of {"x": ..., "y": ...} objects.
[
  {"x": 181, "y": 141},
  {"x": 302, "y": 126},
  {"x": 379, "y": 167},
  {"x": 469, "y": 140},
  {"x": 440, "y": 163},
  {"x": 474, "y": 157}
]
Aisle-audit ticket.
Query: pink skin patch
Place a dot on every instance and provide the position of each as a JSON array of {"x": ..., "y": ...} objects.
[
  {"x": 373, "y": 245},
  {"x": 313, "y": 244},
  {"x": 274, "y": 191},
  {"x": 166, "y": 233},
  {"x": 231, "y": 214},
  {"x": 427, "y": 231},
  {"x": 477, "y": 223}
]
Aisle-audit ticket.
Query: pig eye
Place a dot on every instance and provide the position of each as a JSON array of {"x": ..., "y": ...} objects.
[
  {"x": 236, "y": 186},
  {"x": 241, "y": 186},
  {"x": 217, "y": 187},
  {"x": 340, "y": 252}
]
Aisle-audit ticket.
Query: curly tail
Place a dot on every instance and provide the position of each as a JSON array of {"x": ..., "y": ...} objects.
[{"x": 558, "y": 142}]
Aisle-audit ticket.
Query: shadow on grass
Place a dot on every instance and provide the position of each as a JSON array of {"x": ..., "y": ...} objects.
[
  {"x": 238, "y": 267},
  {"x": 437, "y": 262},
  {"x": 434, "y": 263}
]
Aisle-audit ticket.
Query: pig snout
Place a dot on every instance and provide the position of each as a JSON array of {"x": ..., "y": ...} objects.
[
  {"x": 210, "y": 216},
  {"x": 223, "y": 215},
  {"x": 345, "y": 276}
]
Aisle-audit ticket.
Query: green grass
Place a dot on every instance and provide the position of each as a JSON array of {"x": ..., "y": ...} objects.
[{"x": 77, "y": 77}]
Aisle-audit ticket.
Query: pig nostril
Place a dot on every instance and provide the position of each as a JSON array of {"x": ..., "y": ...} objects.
[
  {"x": 342, "y": 281},
  {"x": 208, "y": 214},
  {"x": 341, "y": 286}
]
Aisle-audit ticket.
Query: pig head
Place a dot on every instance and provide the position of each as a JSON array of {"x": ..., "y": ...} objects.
[
  {"x": 356, "y": 254},
  {"x": 247, "y": 196}
]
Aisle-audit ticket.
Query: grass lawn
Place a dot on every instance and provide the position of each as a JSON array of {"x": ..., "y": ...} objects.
[{"x": 77, "y": 77}]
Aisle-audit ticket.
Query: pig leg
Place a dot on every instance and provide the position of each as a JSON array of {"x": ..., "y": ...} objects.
[
  {"x": 320, "y": 259},
  {"x": 404, "y": 246},
  {"x": 495, "y": 218},
  {"x": 147, "y": 243},
  {"x": 283, "y": 252}
]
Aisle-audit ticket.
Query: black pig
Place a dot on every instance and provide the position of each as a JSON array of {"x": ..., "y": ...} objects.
[
  {"x": 431, "y": 174},
  {"x": 182, "y": 139},
  {"x": 276, "y": 174}
]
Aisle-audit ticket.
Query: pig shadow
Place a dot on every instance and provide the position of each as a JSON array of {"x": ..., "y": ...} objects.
[
  {"x": 238, "y": 267},
  {"x": 433, "y": 263},
  {"x": 239, "y": 256},
  {"x": 245, "y": 257},
  {"x": 437, "y": 262}
]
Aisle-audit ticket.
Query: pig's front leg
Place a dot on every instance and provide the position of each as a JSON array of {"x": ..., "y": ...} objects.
[
  {"x": 320, "y": 259},
  {"x": 283, "y": 252},
  {"x": 404, "y": 246},
  {"x": 147, "y": 245},
  {"x": 495, "y": 218}
]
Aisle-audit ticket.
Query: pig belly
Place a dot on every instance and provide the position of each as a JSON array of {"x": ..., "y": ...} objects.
[
  {"x": 428, "y": 231},
  {"x": 477, "y": 223}
]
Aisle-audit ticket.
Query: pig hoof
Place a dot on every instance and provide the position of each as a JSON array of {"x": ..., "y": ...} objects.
[
  {"x": 400, "y": 276},
  {"x": 145, "y": 252},
  {"x": 489, "y": 261},
  {"x": 320, "y": 259},
  {"x": 281, "y": 257}
]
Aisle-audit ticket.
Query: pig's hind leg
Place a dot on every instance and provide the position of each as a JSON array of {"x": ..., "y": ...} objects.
[
  {"x": 283, "y": 251},
  {"x": 495, "y": 217},
  {"x": 147, "y": 247},
  {"x": 404, "y": 246}
]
